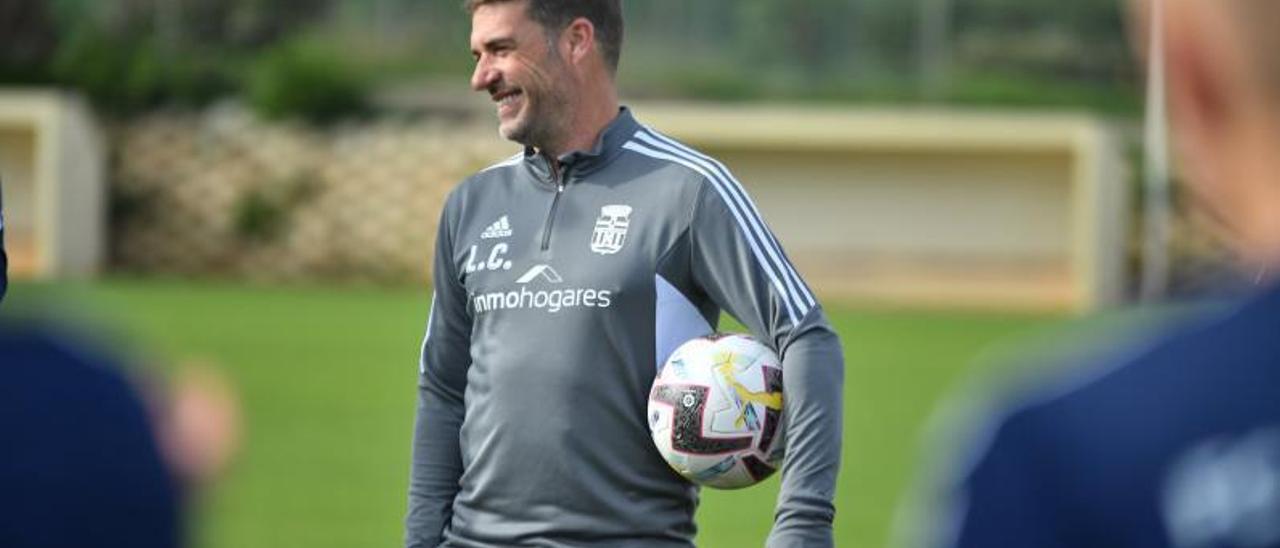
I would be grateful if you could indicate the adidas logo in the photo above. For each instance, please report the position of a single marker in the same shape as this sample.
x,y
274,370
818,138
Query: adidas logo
x,y
500,228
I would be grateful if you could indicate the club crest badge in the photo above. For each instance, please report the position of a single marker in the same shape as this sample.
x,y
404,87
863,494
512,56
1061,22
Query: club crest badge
x,y
611,229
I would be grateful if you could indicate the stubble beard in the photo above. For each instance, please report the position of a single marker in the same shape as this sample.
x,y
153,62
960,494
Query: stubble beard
x,y
542,125
545,120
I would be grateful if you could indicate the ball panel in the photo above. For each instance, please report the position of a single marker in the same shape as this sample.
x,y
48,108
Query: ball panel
x,y
757,468
688,403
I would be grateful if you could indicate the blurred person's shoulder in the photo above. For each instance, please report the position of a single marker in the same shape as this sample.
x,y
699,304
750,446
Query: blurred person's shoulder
x,y
1199,375
67,378
79,433
1127,446
34,342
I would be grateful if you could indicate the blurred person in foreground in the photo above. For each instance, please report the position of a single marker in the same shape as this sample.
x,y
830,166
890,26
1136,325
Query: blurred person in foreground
x,y
81,464
1177,441
564,277
87,458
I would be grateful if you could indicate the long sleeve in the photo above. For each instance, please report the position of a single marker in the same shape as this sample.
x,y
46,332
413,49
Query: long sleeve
x,y
737,261
437,458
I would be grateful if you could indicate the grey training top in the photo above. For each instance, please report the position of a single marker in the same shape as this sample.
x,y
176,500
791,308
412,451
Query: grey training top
x,y
557,296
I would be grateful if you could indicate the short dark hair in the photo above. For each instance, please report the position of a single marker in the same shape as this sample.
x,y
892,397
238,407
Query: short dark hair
x,y
555,15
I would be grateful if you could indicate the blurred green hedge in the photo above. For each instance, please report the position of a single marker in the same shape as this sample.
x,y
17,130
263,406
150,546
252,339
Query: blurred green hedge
x,y
128,56
306,78
129,73
300,77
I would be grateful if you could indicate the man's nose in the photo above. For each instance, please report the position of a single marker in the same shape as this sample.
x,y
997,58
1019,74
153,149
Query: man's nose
x,y
483,77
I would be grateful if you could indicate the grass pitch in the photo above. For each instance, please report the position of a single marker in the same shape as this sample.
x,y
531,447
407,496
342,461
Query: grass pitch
x,y
327,382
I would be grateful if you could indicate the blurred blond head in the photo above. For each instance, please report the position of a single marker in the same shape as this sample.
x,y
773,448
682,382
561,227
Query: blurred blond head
x,y
1223,83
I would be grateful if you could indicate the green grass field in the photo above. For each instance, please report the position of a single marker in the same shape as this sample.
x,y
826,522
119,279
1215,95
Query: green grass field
x,y
327,382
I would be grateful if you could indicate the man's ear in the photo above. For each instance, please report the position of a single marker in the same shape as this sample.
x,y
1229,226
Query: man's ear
x,y
1198,97
1196,90
579,39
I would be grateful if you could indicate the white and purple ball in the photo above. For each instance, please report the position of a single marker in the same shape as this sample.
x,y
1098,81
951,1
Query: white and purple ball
x,y
716,409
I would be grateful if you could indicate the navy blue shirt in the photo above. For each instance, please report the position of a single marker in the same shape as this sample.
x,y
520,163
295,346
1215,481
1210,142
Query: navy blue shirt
x,y
79,464
1177,445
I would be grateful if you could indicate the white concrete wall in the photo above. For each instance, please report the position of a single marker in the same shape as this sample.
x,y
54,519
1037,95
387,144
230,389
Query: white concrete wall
x,y
52,164
936,208
17,176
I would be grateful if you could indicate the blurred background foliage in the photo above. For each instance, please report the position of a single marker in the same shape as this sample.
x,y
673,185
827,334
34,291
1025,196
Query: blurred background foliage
x,y
323,59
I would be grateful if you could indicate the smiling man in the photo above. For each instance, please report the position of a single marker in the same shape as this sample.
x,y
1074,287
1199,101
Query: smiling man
x,y
564,277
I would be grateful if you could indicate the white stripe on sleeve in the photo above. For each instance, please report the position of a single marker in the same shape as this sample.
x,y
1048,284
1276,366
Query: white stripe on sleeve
x,y
742,225
749,209
422,357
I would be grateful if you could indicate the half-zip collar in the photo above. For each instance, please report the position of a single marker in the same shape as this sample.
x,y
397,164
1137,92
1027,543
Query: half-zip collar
x,y
580,163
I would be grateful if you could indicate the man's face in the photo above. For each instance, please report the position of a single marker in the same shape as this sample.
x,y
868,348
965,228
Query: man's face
x,y
522,71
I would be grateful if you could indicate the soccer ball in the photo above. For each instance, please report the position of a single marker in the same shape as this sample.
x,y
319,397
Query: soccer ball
x,y
715,411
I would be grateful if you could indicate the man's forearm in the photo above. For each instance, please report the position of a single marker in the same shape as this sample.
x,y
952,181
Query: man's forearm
x,y
813,381
437,466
